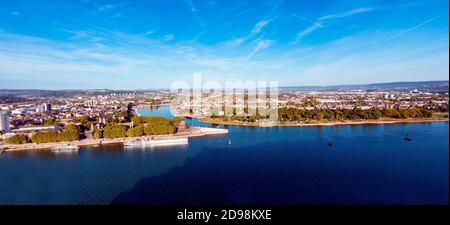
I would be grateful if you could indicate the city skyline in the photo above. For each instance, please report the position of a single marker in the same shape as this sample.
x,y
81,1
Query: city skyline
x,y
137,45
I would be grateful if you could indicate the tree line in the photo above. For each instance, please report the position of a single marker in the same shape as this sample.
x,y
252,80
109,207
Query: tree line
x,y
295,114
301,114
142,125
17,139
70,133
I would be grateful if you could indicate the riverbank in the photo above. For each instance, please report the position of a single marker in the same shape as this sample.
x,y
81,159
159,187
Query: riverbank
x,y
333,123
193,132
437,117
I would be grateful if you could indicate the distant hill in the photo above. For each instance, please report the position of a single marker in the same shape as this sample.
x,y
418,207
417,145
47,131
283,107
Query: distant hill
x,y
27,93
428,86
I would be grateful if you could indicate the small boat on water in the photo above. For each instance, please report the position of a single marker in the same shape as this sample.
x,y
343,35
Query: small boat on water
x,y
330,143
151,143
65,148
408,138
229,142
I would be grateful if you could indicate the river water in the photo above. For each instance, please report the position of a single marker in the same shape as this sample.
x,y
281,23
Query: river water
x,y
367,164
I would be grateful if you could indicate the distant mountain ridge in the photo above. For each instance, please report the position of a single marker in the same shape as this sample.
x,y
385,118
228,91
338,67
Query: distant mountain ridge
x,y
429,86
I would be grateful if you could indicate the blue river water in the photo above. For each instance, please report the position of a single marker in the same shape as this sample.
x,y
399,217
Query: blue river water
x,y
367,164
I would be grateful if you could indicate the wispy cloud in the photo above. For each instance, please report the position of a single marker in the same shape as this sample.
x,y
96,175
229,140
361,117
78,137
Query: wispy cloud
x,y
260,45
150,32
318,23
111,6
259,26
308,30
105,7
95,54
78,34
191,5
155,63
118,15
168,37
235,42
346,13
15,13
405,31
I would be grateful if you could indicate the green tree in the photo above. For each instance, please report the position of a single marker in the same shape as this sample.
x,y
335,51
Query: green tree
x,y
115,131
393,113
175,120
81,119
44,137
97,134
319,116
136,120
17,139
135,131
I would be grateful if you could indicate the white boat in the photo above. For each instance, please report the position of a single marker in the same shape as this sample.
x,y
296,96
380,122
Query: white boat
x,y
65,148
165,142
267,123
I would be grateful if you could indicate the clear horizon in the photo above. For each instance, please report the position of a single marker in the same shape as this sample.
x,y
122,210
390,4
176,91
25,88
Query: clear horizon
x,y
148,45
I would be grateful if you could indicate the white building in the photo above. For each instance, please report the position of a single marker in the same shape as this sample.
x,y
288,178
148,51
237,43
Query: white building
x,y
4,121
45,107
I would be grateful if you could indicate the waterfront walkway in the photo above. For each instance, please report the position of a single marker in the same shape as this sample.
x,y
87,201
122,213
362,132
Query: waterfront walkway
x,y
192,132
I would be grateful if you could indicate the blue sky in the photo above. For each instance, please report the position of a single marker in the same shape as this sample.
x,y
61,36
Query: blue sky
x,y
150,44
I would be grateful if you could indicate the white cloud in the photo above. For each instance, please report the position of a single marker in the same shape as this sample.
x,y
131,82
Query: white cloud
x,y
191,6
122,57
77,34
106,7
308,30
347,13
118,15
259,26
149,32
403,32
260,45
317,25
111,6
235,42
168,37
256,30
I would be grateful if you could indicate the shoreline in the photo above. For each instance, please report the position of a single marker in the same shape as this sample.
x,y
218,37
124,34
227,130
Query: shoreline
x,y
194,132
382,120
334,123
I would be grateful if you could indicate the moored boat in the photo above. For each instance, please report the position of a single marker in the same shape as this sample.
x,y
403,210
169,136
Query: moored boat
x,y
165,142
408,138
65,148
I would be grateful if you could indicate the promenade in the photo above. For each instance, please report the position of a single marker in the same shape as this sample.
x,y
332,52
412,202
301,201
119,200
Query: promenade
x,y
193,132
